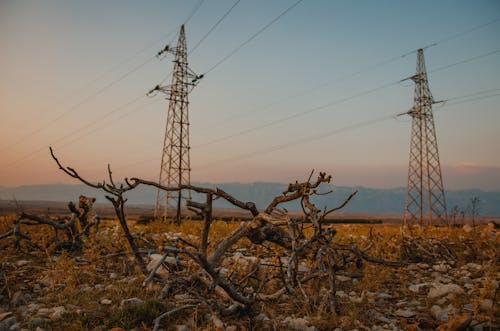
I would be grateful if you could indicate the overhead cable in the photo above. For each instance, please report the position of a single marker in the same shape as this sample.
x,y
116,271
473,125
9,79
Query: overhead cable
x,y
252,37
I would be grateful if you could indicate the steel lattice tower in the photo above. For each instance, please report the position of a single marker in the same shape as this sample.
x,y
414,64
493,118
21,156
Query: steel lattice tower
x,y
425,200
175,163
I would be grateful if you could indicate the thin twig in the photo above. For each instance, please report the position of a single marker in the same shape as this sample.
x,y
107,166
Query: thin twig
x,y
168,313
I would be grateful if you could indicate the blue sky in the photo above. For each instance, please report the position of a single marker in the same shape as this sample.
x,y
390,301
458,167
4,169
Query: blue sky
x,y
55,54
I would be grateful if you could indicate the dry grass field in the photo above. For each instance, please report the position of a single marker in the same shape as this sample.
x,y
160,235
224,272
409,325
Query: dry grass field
x,y
451,278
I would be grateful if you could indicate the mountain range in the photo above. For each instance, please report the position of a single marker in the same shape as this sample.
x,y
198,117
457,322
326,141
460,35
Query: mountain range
x,y
367,200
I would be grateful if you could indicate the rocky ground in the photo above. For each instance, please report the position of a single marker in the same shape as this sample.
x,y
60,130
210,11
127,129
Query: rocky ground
x,y
453,291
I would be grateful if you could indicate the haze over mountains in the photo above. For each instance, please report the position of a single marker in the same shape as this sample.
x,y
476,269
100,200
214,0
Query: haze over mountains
x,y
368,200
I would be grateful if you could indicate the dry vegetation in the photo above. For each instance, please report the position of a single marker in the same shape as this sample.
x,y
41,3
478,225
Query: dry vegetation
x,y
268,272
89,290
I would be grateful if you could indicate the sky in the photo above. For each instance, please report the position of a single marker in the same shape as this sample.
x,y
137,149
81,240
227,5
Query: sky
x,y
317,89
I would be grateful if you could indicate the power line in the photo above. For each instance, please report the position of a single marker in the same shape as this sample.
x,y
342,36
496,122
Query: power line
x,y
109,122
308,91
467,100
322,107
195,9
298,114
356,73
473,94
323,135
142,50
265,27
153,43
302,140
86,99
27,156
455,36
101,90
204,37
338,130
214,26
76,106
113,121
462,33
477,57
282,119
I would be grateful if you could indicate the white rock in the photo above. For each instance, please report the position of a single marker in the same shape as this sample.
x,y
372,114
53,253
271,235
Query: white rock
x,y
131,302
224,272
441,301
423,265
356,299
353,297
384,296
341,294
303,267
244,262
375,315
22,263
155,259
412,267
415,303
262,317
468,307
57,313
417,287
46,281
438,278
110,288
467,228
298,324
440,267
106,302
342,279
43,311
473,267
405,313
439,313
486,304
440,290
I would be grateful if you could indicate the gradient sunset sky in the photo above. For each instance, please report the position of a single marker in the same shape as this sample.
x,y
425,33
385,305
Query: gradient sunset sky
x,y
318,89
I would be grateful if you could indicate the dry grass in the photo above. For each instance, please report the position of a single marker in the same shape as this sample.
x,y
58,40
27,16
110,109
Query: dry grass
x,y
80,283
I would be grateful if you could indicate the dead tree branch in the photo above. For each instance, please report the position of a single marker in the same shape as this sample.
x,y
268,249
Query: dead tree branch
x,y
115,197
305,256
73,228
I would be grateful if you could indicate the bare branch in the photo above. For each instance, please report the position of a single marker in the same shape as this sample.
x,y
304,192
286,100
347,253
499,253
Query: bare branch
x,y
250,206
346,201
168,313
72,173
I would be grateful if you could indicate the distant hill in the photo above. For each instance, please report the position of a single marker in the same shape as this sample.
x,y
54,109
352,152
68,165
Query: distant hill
x,y
368,200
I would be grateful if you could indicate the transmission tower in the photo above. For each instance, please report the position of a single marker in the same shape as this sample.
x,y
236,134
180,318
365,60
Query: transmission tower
x,y
175,164
425,201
